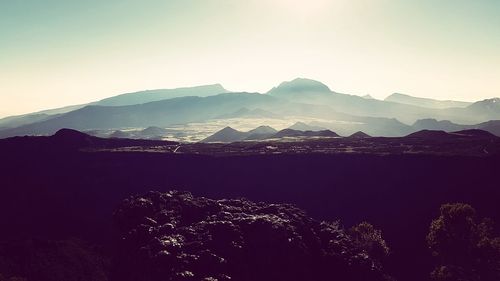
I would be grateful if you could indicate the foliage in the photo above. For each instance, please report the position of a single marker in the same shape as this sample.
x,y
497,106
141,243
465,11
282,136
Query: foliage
x,y
367,238
464,245
175,236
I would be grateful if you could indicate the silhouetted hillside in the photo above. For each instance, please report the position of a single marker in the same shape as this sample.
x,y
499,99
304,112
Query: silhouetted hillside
x,y
431,135
296,133
475,133
359,135
120,134
227,134
68,139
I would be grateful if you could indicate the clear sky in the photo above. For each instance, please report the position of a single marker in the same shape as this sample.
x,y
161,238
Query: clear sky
x,y
61,52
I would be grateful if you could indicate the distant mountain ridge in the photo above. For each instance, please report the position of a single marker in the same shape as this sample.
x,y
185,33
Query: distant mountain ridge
x,y
139,97
301,126
161,94
313,92
297,99
425,102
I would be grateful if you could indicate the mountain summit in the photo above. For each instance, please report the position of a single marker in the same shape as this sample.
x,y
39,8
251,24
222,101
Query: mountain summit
x,y
300,85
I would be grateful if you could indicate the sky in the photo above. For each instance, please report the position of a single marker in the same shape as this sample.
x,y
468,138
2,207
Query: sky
x,y
63,52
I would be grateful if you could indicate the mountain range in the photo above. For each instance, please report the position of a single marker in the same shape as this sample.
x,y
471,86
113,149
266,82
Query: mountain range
x,y
299,99
424,102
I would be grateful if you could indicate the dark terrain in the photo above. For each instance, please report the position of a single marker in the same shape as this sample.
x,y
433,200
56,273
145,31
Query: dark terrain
x,y
68,186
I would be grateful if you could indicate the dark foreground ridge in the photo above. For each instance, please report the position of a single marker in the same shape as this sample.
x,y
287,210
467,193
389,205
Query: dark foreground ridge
x,y
175,236
54,189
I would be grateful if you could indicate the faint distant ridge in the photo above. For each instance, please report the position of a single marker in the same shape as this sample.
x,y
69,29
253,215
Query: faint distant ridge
x,y
425,102
153,131
301,126
485,107
247,113
119,100
20,120
119,134
161,94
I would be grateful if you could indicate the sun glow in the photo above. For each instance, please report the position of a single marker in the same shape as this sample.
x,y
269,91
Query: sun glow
x,y
305,8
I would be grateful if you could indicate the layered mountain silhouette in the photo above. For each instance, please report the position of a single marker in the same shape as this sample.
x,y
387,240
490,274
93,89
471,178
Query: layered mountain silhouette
x,y
447,126
229,134
69,139
299,98
123,99
439,135
247,113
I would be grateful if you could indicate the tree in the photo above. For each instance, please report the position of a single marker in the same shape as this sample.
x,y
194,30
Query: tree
x,y
366,237
463,245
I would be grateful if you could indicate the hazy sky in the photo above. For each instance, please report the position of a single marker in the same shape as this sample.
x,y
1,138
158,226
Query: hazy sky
x,y
61,52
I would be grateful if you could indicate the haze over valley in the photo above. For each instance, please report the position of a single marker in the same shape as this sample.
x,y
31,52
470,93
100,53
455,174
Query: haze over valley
x,y
192,114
